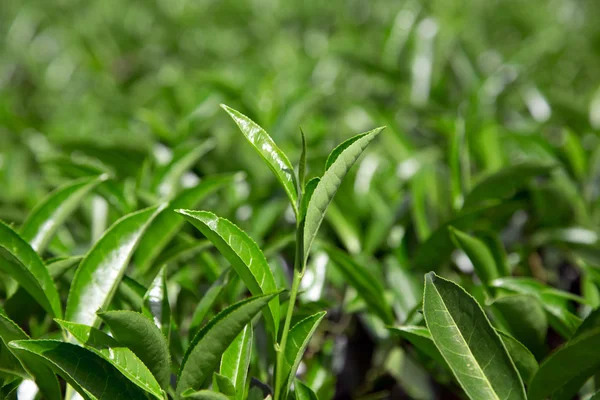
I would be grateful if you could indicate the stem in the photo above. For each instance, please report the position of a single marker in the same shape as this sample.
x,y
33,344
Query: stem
x,y
298,272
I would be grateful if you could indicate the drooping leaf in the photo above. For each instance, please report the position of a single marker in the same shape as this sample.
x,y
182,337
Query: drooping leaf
x,y
481,257
51,212
102,269
236,360
166,178
23,264
43,376
470,345
168,223
366,284
298,338
212,340
156,303
341,161
140,335
504,182
303,392
90,375
268,150
203,395
116,354
244,255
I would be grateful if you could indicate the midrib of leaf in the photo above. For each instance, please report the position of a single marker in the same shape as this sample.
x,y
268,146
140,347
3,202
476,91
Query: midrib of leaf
x,y
466,344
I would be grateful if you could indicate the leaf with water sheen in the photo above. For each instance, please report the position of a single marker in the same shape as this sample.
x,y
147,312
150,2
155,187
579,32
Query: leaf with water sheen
x,y
236,360
156,303
470,345
166,224
90,375
141,336
266,147
99,274
205,350
119,356
51,212
43,376
331,181
243,254
24,265
298,338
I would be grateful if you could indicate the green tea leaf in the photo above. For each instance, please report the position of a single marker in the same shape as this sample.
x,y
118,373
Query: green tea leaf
x,y
119,356
302,163
298,338
156,304
212,340
224,385
524,361
203,395
420,337
303,392
43,376
141,336
341,160
367,285
268,150
481,257
236,360
23,264
57,267
309,189
505,182
244,255
51,212
102,269
207,301
91,376
167,223
166,178
469,343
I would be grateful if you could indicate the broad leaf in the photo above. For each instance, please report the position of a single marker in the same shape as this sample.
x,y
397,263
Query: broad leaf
x,y
205,350
236,360
115,353
268,150
298,338
481,257
303,392
156,303
43,376
102,269
90,375
23,264
366,284
243,254
470,345
139,334
51,212
166,224
330,182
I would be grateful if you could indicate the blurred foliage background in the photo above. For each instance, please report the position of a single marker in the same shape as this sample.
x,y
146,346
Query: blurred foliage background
x,y
465,88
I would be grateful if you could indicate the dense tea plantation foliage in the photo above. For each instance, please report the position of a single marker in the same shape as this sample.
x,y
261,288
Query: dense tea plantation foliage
x,y
190,210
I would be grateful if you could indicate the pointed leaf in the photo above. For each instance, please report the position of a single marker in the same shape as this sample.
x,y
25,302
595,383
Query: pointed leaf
x,y
469,343
166,179
236,360
102,269
156,303
208,345
166,225
524,361
141,336
203,395
23,264
207,301
51,212
43,376
119,356
309,189
330,182
481,257
223,384
243,254
57,267
303,392
91,376
266,147
298,338
420,337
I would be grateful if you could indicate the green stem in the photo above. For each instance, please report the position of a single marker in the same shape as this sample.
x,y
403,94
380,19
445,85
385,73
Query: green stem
x,y
298,272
